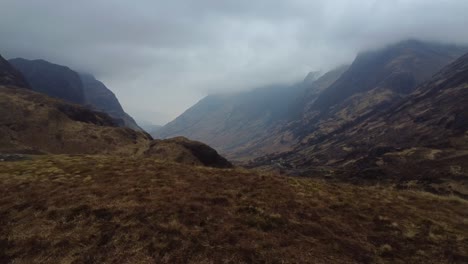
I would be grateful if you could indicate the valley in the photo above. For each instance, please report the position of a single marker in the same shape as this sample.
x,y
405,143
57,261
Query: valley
x,y
364,162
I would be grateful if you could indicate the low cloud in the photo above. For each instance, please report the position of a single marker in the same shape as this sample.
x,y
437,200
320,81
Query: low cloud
x,y
160,57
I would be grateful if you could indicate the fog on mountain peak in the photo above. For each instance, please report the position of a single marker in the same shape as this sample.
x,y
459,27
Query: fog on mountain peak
x,y
168,55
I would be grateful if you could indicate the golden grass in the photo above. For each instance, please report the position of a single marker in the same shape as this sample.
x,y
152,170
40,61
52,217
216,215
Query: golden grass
x,y
104,209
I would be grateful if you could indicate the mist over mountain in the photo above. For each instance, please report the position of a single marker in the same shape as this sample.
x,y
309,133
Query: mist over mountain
x,y
177,53
421,137
264,121
399,67
241,122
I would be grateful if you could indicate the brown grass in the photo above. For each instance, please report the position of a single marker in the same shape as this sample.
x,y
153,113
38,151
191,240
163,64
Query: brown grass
x,y
103,209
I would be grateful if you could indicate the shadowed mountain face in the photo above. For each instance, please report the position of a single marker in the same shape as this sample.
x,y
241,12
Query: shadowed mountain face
x,y
63,83
102,99
52,79
10,76
244,124
34,123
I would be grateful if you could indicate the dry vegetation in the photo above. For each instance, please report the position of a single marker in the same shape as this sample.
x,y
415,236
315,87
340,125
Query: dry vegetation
x,y
31,122
103,209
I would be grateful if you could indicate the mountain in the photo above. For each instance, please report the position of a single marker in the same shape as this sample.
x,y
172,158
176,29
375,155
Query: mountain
x,y
399,68
263,121
34,123
374,81
62,82
422,138
273,120
54,80
102,99
238,123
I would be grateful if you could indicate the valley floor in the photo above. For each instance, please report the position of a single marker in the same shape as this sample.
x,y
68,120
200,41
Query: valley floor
x,y
104,209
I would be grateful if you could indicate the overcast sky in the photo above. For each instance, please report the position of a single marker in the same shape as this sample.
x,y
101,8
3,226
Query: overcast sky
x,y
160,56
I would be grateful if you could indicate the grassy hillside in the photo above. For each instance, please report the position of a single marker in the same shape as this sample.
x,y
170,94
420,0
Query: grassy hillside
x,y
35,123
105,209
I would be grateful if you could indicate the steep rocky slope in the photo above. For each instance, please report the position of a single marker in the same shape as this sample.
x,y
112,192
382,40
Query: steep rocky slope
x,y
243,125
399,68
374,81
423,137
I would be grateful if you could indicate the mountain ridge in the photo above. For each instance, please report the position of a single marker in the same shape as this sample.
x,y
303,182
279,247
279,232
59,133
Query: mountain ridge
x,y
64,83
421,138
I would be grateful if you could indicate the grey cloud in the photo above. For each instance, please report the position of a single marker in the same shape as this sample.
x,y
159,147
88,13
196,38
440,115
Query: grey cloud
x,y
160,57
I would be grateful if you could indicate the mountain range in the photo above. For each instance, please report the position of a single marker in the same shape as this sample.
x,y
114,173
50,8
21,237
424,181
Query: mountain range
x,y
391,111
32,122
252,124
422,138
378,150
